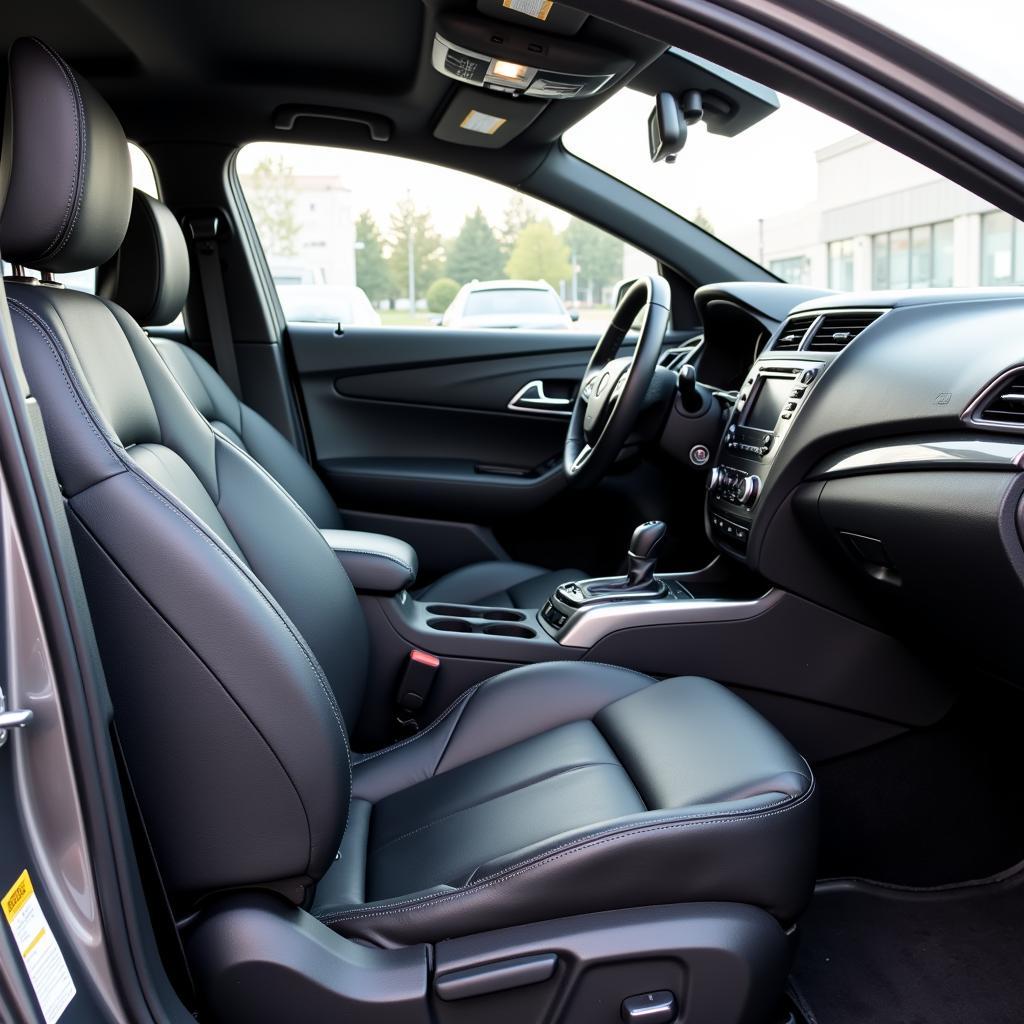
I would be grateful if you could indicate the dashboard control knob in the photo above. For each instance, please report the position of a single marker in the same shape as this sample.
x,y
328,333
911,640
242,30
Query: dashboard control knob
x,y
749,489
714,479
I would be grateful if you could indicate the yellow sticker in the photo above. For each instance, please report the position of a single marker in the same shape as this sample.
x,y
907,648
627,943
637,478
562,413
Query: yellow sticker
x,y
539,9
47,969
486,124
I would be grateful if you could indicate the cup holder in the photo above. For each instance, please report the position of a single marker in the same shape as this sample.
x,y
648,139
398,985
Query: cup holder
x,y
507,629
450,610
502,615
449,619
451,625
462,612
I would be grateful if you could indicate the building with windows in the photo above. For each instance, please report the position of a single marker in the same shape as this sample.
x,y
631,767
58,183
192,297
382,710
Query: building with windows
x,y
882,221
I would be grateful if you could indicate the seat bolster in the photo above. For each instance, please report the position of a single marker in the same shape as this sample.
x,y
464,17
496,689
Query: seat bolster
x,y
697,855
495,714
403,764
729,750
532,699
276,454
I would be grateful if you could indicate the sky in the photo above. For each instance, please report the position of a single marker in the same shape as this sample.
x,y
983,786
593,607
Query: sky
x,y
768,170
984,36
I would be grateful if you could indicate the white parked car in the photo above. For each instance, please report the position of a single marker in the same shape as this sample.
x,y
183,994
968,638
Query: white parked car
x,y
527,305
347,305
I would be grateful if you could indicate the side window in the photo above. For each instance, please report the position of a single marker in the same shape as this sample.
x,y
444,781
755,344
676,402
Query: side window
x,y
362,239
144,179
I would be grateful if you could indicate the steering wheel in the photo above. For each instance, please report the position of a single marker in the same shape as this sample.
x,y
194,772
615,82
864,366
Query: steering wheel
x,y
614,389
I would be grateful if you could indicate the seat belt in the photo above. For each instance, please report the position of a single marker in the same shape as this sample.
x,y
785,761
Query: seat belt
x,y
211,280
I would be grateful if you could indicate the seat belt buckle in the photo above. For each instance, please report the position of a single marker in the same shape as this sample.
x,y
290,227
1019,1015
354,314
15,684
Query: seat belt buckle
x,y
414,688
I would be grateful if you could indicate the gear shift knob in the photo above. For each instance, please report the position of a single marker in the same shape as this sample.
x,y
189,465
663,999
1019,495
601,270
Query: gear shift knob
x,y
642,559
646,538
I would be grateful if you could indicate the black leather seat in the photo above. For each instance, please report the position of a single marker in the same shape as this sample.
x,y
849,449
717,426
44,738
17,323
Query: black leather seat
x,y
236,653
149,278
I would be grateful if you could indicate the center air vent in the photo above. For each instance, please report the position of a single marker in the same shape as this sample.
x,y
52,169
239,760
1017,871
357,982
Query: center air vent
x,y
793,332
1005,405
837,330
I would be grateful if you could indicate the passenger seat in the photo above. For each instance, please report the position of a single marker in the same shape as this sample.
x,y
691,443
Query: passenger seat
x,y
149,277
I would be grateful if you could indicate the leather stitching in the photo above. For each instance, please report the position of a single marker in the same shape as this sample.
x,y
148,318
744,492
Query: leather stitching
x,y
29,318
559,852
461,699
83,403
375,554
509,791
65,231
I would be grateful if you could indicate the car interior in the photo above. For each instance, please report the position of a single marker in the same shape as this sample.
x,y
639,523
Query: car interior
x,y
658,671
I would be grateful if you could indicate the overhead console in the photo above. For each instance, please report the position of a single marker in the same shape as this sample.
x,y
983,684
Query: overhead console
x,y
517,61
513,58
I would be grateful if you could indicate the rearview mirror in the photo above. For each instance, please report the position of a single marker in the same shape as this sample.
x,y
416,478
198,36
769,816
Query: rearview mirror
x,y
666,129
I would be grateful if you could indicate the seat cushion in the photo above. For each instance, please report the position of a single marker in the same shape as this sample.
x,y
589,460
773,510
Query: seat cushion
x,y
570,788
499,585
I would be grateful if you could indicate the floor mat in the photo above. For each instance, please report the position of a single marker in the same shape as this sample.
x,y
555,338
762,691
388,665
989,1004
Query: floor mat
x,y
885,956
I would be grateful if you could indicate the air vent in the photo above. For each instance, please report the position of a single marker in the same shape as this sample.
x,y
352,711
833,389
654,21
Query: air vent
x,y
676,357
793,333
1006,404
837,330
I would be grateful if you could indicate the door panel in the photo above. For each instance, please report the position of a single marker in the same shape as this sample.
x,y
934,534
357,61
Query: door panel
x,y
415,422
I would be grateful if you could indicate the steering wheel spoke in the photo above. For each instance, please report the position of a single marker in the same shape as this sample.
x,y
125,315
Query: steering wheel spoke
x,y
581,460
614,387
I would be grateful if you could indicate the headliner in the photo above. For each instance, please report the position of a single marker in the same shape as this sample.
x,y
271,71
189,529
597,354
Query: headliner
x,y
215,70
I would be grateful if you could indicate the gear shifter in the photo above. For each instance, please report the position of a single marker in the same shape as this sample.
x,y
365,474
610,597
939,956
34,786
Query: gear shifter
x,y
640,580
642,555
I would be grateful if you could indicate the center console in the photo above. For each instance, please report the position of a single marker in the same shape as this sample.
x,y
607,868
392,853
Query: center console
x,y
768,402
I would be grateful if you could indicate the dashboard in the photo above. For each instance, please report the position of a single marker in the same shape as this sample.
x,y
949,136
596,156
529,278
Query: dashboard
x,y
872,458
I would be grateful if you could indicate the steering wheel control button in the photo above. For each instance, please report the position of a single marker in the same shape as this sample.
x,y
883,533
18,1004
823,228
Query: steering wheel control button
x,y
699,455
650,1008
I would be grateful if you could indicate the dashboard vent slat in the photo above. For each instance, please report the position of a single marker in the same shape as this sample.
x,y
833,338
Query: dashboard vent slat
x,y
1006,405
793,332
837,330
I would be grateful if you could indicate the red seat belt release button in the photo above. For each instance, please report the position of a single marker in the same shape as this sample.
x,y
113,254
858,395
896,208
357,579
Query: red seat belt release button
x,y
417,679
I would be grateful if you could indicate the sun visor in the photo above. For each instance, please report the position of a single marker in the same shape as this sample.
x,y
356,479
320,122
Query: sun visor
x,y
488,121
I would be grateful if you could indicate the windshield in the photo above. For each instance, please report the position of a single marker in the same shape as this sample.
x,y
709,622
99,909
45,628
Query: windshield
x,y
497,301
812,201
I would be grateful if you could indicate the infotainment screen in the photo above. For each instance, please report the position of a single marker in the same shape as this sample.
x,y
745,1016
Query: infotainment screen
x,y
768,403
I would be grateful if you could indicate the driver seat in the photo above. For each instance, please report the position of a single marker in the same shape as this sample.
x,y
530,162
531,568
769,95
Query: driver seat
x,y
149,278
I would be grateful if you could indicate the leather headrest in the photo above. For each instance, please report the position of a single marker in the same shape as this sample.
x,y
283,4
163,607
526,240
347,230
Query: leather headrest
x,y
148,276
65,175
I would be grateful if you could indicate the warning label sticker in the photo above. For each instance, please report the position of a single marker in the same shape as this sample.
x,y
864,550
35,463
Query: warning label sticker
x,y
477,121
47,969
539,9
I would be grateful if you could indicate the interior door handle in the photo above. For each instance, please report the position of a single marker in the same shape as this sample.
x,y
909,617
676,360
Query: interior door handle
x,y
533,398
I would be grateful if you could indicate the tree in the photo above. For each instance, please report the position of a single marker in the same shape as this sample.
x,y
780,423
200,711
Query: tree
x,y
373,274
270,191
476,252
540,255
517,216
441,294
427,250
598,255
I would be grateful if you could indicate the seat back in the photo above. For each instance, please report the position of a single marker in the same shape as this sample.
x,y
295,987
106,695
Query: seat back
x,y
232,640
149,277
